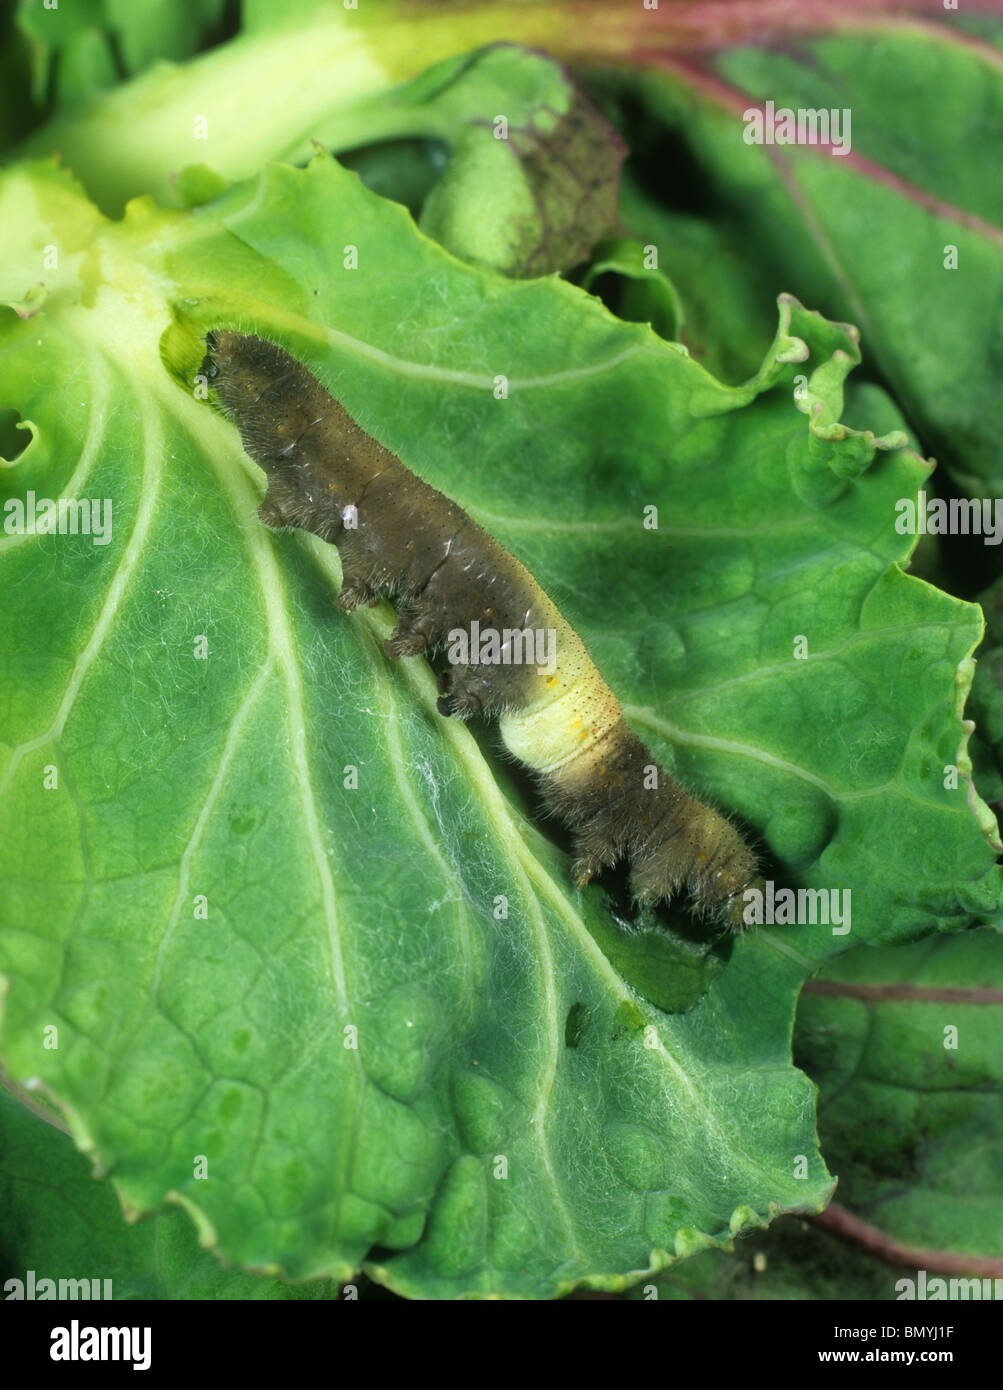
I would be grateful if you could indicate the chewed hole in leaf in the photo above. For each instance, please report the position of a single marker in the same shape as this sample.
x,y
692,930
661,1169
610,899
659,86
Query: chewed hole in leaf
x,y
15,436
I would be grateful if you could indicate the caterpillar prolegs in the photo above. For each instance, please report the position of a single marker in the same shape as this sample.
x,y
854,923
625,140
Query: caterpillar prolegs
x,y
399,537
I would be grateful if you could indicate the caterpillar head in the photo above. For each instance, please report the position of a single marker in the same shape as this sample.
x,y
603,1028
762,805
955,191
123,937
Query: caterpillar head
x,y
268,395
242,368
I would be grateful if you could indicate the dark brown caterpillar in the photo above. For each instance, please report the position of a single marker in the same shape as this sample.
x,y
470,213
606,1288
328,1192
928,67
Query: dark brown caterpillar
x,y
399,537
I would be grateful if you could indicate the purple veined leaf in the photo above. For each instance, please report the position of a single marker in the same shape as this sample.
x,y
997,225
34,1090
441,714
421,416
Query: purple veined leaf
x,y
901,233
904,1045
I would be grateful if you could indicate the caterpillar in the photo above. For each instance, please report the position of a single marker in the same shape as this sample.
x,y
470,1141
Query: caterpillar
x,y
400,538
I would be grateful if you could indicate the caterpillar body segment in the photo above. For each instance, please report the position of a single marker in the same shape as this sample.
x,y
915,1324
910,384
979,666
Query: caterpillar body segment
x,y
398,537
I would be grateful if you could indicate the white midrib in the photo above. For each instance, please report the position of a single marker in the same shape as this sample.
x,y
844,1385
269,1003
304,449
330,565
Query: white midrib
x,y
98,407
147,498
235,484
208,806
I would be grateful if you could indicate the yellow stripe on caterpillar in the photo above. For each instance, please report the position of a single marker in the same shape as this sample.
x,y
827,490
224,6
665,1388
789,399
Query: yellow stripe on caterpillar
x,y
568,726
